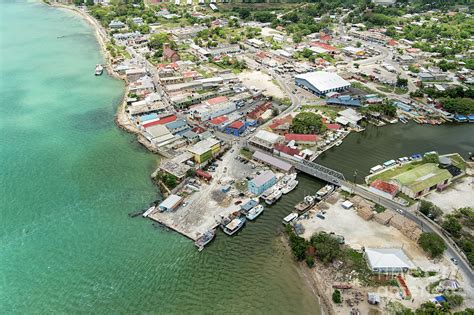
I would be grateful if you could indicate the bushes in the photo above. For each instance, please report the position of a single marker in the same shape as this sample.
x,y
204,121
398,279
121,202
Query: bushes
x,y
432,244
336,297
298,244
430,210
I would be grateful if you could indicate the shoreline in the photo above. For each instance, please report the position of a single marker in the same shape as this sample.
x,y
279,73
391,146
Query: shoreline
x,y
120,118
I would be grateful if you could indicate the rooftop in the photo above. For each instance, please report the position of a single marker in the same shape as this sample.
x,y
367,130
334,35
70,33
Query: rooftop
x,y
388,258
261,179
266,136
323,80
384,186
273,161
301,137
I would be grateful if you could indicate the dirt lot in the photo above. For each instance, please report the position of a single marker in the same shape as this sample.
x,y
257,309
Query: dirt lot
x,y
261,81
204,208
360,233
459,195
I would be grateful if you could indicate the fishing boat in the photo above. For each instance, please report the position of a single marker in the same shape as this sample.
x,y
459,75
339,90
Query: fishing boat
x,y
289,186
307,203
205,239
233,226
325,191
254,212
149,211
272,198
99,69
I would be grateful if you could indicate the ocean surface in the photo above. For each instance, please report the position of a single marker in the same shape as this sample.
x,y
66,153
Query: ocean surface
x,y
68,179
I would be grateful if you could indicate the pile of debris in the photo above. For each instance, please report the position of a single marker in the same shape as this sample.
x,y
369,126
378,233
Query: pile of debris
x,y
406,226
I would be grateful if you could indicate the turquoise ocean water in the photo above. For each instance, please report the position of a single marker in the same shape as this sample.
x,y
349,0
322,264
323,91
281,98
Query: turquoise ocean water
x,y
69,177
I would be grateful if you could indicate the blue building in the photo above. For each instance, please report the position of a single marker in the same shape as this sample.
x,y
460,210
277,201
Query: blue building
x,y
177,126
262,182
236,128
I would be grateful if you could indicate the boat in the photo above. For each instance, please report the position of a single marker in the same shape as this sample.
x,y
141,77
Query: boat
x,y
233,226
325,191
403,120
149,211
205,239
289,186
307,203
254,212
376,168
272,198
99,69
290,218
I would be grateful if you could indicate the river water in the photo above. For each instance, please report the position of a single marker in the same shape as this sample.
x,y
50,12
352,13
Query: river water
x,y
69,177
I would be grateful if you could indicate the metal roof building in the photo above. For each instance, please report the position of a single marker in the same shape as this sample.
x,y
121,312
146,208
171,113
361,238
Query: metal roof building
x,y
388,260
272,161
321,82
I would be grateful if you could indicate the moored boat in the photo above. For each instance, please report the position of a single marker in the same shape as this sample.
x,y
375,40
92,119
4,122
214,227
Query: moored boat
x,y
272,198
254,212
149,211
290,218
233,226
99,69
205,239
289,186
325,191
307,203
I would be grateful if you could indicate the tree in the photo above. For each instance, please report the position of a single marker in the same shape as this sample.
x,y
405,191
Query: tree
x,y
336,296
308,123
401,82
452,225
430,210
310,261
432,243
454,300
327,247
158,40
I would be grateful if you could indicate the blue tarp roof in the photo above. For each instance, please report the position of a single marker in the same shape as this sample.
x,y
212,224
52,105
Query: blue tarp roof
x,y
440,299
149,116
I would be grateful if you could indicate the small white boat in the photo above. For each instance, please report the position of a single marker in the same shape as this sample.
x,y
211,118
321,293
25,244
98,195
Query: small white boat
x,y
271,199
234,226
289,186
290,218
254,212
149,211
99,69
205,239
323,192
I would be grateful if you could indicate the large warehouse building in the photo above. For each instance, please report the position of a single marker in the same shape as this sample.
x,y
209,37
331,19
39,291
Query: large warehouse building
x,y
321,82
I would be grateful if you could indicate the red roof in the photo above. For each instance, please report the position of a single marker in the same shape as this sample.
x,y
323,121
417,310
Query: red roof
x,y
323,45
203,174
333,126
217,100
236,124
301,137
280,121
218,120
384,186
325,37
161,121
392,42
285,149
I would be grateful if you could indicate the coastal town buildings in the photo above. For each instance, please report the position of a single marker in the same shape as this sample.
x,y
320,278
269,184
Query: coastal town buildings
x,y
321,82
262,182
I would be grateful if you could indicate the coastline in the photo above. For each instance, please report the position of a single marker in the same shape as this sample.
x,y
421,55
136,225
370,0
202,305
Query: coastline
x,y
121,119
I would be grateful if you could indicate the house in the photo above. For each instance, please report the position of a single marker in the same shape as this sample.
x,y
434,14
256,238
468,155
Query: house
x,y
116,24
205,150
265,140
236,128
142,86
348,117
354,51
169,54
384,189
387,260
301,138
177,126
262,182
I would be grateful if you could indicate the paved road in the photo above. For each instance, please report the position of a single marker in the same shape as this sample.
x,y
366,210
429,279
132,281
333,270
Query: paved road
x,y
426,225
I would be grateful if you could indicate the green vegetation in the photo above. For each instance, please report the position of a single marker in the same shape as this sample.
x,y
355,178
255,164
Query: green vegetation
x,y
452,225
430,210
464,238
432,244
308,123
330,111
464,106
379,209
157,41
336,297
385,108
245,152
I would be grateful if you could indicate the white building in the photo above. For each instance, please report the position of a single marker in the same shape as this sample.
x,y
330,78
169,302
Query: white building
x,y
265,140
321,82
213,108
388,260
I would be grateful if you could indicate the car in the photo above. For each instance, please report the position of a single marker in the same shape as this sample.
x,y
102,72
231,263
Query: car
x,y
455,261
238,202
232,151
400,211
